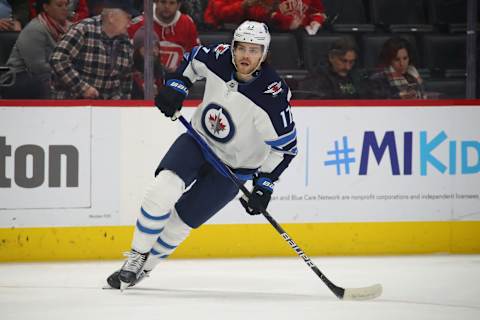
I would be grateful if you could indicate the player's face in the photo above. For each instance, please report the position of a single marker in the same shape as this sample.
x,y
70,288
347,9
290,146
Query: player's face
x,y
401,61
165,10
343,64
57,10
247,57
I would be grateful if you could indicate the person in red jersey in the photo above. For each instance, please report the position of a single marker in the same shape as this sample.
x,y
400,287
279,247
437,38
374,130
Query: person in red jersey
x,y
285,15
177,32
220,12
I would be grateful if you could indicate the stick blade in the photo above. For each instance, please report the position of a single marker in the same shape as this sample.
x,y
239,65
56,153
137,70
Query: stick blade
x,y
365,293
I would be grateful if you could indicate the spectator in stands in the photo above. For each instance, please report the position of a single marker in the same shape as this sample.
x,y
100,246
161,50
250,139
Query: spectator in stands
x,y
77,9
13,15
219,14
138,65
95,57
30,54
337,79
177,32
287,15
195,9
399,79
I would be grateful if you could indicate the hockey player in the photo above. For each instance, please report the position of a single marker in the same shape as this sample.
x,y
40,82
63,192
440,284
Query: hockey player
x,y
245,118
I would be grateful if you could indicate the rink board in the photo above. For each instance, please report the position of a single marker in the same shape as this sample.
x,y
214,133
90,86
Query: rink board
x,y
72,175
250,240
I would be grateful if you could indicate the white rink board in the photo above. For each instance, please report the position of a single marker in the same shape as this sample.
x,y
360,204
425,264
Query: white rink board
x,y
122,147
94,200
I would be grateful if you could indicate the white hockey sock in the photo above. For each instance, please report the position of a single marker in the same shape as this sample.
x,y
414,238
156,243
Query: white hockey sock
x,y
156,209
173,234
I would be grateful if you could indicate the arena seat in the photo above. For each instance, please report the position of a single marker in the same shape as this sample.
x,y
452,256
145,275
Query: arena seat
x,y
445,53
284,53
400,15
446,88
347,16
284,56
447,12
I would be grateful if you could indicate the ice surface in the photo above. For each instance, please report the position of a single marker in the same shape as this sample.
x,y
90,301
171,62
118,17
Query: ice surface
x,y
415,287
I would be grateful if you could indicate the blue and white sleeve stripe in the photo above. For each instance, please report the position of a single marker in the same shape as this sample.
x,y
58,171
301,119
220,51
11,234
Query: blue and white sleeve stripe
x,y
286,143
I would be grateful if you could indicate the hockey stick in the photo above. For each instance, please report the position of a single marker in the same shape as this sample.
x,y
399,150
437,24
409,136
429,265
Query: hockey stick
x,y
364,293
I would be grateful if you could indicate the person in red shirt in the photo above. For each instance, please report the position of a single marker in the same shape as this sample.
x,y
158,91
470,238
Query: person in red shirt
x,y
176,31
219,12
286,15
77,10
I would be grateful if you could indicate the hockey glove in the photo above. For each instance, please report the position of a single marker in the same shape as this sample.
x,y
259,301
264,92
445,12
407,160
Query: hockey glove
x,y
260,197
170,98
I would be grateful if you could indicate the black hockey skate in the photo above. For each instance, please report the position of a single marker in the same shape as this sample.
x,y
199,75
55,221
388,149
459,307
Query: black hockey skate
x,y
114,282
131,269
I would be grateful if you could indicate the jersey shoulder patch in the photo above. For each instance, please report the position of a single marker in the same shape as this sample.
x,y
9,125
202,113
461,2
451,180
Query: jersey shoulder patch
x,y
268,89
274,88
217,58
213,51
221,49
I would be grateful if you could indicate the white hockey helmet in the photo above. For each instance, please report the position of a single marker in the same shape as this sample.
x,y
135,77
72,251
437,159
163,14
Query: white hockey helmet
x,y
252,32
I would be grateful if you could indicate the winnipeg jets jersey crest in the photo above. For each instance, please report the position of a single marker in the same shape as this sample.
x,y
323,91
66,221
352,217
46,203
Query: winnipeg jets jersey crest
x,y
217,123
248,125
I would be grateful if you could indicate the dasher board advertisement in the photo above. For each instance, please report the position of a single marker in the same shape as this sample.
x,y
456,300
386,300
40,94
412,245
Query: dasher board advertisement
x,y
56,166
355,164
45,156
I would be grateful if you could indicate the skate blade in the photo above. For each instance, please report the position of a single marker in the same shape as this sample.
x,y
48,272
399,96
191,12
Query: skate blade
x,y
123,285
108,287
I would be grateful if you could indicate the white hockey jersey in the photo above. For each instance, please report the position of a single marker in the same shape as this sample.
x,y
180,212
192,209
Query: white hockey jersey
x,y
248,125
